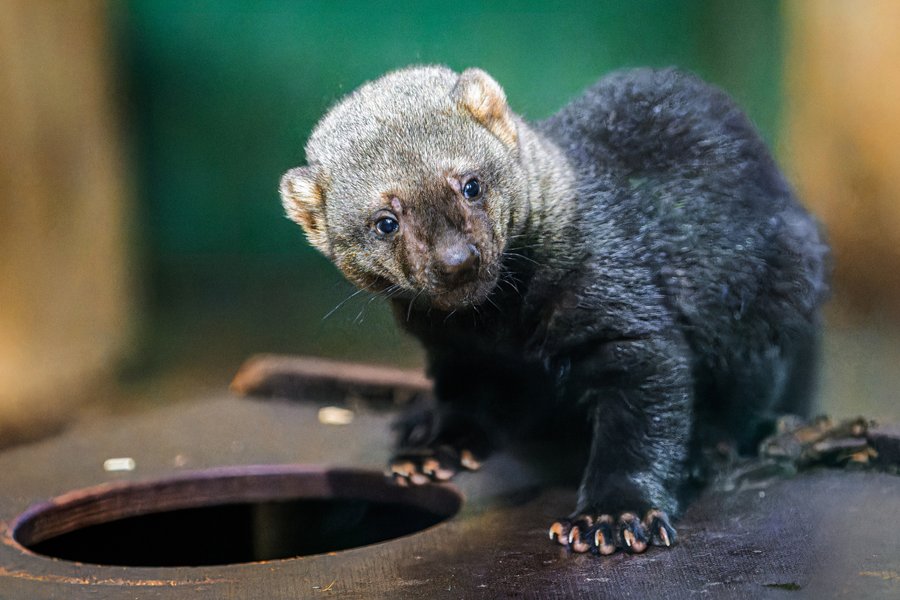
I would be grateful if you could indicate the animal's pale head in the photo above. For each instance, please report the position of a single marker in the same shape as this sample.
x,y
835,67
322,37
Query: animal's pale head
x,y
412,181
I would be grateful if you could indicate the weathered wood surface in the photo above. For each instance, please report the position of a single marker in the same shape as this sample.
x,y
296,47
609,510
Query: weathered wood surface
x,y
822,534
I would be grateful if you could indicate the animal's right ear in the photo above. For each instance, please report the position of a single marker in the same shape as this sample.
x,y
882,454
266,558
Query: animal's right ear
x,y
303,197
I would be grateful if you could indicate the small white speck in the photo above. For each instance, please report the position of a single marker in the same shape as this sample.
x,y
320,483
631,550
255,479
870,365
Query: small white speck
x,y
119,464
180,460
334,415
762,494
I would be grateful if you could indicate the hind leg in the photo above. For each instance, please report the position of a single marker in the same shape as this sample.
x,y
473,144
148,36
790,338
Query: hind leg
x,y
803,373
767,385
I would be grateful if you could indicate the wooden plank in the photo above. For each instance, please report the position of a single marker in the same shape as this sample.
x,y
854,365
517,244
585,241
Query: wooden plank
x,y
300,377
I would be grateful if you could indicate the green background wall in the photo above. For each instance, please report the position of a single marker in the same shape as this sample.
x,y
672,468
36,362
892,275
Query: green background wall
x,y
220,97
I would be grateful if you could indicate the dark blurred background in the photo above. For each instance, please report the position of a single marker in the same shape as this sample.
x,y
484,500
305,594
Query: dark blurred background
x,y
144,251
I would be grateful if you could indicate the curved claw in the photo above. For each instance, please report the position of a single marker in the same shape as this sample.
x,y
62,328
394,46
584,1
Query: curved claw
x,y
405,473
433,468
418,466
578,542
632,533
468,461
660,530
400,472
559,531
604,536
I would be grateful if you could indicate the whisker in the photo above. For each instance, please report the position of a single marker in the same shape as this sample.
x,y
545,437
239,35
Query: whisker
x,y
345,300
518,235
522,256
390,291
411,302
360,316
501,280
509,279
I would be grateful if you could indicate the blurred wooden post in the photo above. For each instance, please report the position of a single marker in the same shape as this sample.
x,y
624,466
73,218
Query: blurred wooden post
x,y
65,294
843,139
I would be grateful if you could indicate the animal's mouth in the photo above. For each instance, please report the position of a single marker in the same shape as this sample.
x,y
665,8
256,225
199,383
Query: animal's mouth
x,y
464,295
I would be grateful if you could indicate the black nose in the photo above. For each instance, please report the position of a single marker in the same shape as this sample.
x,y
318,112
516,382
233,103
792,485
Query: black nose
x,y
458,262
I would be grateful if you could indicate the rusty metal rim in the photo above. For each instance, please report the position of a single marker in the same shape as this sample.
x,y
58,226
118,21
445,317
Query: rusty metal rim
x,y
217,486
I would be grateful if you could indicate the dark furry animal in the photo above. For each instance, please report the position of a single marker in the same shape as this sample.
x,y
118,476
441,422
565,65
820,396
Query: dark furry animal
x,y
634,266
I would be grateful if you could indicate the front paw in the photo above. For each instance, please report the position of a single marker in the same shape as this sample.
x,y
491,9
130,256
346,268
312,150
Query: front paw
x,y
423,465
605,534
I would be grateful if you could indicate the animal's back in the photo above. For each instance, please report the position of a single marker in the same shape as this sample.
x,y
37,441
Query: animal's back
x,y
676,171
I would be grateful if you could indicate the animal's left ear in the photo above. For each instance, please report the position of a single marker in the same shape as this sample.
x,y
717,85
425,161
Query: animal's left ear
x,y
478,93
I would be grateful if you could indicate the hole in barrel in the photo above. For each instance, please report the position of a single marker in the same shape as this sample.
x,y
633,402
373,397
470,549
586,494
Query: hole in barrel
x,y
228,516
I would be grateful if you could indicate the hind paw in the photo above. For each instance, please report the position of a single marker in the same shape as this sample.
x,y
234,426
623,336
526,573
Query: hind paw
x,y
604,534
424,465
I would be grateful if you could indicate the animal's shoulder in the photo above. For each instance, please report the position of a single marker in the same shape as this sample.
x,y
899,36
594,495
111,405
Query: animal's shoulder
x,y
653,118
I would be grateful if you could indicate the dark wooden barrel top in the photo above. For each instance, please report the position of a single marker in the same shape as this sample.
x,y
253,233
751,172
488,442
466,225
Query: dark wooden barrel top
x,y
821,534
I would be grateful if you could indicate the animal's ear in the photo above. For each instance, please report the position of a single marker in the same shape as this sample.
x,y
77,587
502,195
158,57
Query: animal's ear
x,y
478,93
303,197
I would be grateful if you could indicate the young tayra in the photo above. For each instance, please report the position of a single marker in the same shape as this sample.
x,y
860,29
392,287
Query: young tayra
x,y
634,267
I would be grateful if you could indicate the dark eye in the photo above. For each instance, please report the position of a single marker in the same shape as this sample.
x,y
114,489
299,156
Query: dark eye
x,y
471,189
386,225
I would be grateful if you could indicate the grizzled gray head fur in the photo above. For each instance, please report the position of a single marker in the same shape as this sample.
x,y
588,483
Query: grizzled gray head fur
x,y
415,180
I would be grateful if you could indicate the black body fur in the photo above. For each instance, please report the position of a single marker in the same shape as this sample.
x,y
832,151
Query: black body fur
x,y
679,308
